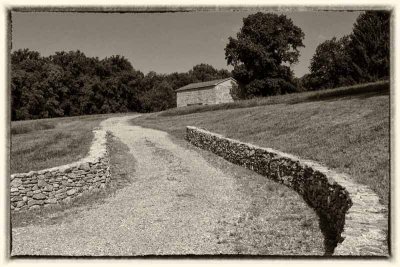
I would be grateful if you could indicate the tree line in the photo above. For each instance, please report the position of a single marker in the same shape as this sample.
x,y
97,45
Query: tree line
x,y
71,84
363,56
268,45
262,54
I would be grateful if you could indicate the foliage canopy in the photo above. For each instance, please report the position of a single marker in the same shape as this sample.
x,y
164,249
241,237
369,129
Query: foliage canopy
x,y
363,56
265,47
70,84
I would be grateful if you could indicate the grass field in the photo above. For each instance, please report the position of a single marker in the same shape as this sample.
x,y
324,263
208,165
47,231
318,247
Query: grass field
x,y
39,144
367,88
346,131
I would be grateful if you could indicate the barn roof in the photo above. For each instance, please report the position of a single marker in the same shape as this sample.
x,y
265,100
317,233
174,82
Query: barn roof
x,y
203,84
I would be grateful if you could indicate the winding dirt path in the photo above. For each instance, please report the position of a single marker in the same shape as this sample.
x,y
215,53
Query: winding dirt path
x,y
173,207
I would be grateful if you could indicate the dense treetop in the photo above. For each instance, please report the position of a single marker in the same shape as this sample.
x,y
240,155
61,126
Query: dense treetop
x,y
261,54
363,56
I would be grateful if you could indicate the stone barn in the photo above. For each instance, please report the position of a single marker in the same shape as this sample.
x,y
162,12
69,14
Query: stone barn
x,y
205,93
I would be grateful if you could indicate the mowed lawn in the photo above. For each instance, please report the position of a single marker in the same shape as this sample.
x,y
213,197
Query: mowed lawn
x,y
45,143
349,134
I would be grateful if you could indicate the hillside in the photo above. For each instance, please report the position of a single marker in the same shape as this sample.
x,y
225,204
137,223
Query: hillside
x,y
347,133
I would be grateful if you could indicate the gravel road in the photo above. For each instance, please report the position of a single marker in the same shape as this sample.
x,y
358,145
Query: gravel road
x,y
174,206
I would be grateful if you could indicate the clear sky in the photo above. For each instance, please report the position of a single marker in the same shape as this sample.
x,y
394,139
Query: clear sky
x,y
162,42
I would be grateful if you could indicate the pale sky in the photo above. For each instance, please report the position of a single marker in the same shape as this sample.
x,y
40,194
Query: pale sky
x,y
162,42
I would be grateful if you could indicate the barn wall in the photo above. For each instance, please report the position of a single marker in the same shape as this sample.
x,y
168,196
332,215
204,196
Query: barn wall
x,y
222,92
203,96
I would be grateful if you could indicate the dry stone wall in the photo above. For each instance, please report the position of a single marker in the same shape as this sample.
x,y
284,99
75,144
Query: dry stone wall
x,y
351,218
53,186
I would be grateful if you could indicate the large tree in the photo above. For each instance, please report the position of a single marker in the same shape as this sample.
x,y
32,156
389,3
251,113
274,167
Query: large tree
x,y
369,45
331,65
265,47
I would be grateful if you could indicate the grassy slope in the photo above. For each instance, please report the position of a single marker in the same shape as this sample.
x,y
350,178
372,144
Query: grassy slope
x,y
39,144
349,134
367,88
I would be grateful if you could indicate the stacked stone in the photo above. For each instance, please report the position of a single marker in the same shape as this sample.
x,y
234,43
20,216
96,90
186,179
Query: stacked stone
x,y
317,185
50,187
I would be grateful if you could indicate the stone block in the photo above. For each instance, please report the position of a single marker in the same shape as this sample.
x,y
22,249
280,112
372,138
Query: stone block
x,y
16,198
85,166
48,188
68,169
71,192
51,201
34,207
72,175
61,195
39,196
16,182
61,190
33,202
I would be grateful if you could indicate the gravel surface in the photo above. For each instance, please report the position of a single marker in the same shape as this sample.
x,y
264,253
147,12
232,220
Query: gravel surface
x,y
175,205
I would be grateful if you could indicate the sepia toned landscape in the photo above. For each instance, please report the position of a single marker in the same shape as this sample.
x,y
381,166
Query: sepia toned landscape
x,y
274,142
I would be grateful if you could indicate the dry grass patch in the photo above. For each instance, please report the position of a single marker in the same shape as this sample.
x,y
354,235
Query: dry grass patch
x,y
40,144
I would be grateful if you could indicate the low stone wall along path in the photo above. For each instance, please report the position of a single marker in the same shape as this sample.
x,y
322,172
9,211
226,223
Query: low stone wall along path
x,y
181,200
176,204
352,219
51,187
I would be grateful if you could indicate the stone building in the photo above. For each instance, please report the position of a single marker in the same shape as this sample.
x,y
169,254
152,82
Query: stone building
x,y
205,93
